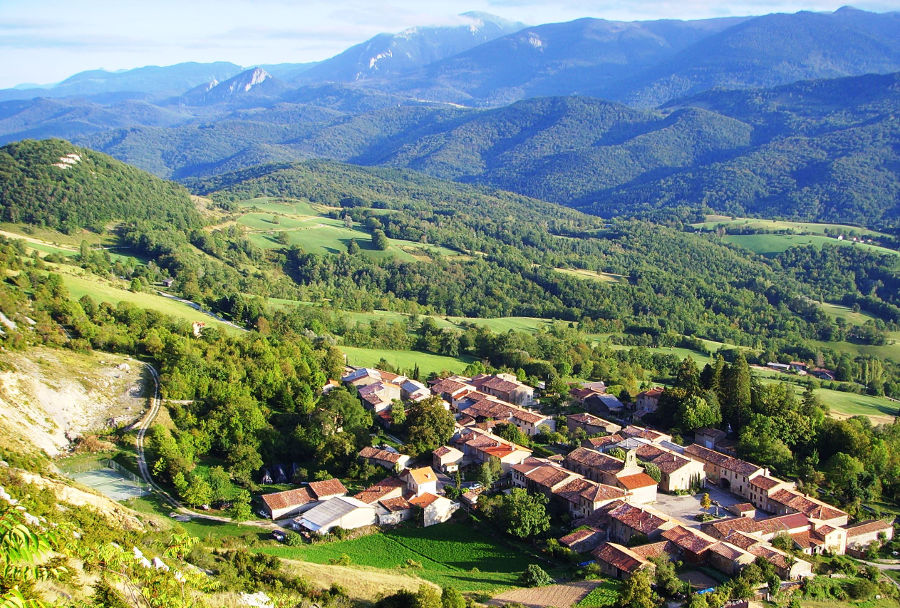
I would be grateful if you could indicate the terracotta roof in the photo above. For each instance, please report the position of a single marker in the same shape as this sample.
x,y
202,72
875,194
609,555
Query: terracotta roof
x,y
377,492
635,518
621,558
638,480
600,442
806,539
811,507
595,460
771,555
741,540
867,527
395,504
379,454
653,392
723,528
742,507
667,462
600,492
289,498
691,540
424,500
783,523
422,475
764,482
654,549
578,536
639,431
443,451
549,476
711,432
389,376
328,488
586,419
736,465
727,550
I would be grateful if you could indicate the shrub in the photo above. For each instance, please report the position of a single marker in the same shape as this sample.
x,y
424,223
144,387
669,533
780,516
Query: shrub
x,y
535,576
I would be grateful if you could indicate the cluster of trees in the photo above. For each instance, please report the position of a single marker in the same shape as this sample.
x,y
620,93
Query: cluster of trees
x,y
852,459
89,192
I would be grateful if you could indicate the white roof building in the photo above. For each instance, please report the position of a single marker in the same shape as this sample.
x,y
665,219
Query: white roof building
x,y
344,511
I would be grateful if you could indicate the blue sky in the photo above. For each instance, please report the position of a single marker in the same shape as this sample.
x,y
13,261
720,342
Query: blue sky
x,y
45,41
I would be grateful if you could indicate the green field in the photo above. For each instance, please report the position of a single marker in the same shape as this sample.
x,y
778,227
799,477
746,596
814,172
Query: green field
x,y
581,273
450,554
498,324
840,402
714,221
405,359
309,227
102,290
605,594
773,244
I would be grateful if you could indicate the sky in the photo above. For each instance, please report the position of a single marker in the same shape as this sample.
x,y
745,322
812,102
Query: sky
x,y
45,41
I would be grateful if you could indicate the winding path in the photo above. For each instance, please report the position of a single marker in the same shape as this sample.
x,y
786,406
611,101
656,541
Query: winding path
x,y
143,426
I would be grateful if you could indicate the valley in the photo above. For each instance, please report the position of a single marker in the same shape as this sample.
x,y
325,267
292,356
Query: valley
x,y
592,313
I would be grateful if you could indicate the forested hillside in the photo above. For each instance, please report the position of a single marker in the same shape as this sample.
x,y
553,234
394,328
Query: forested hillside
x,y
53,183
818,150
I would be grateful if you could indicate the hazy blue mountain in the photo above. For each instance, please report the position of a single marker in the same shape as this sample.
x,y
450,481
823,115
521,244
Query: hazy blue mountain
x,y
555,59
387,55
157,82
250,86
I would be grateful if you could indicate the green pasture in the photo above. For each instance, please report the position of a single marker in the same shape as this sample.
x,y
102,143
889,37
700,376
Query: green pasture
x,y
581,273
405,359
714,221
773,244
454,554
102,290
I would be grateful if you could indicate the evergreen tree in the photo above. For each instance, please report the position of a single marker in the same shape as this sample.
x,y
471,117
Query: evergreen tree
x,y
736,402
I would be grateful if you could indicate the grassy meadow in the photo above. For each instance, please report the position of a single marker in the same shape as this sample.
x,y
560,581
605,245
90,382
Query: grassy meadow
x,y
405,359
451,553
714,221
273,223
773,244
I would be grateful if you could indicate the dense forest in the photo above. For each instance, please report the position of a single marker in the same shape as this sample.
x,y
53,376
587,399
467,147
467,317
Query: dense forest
x,y
53,183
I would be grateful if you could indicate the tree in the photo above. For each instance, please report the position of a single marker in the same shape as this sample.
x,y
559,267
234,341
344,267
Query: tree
x,y
352,247
240,506
379,240
535,576
523,515
695,412
688,376
667,580
636,592
451,598
705,501
489,472
511,432
429,425
736,392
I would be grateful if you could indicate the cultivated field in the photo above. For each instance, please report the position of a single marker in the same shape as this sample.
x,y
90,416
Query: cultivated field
x,y
447,554
558,596
602,277
405,359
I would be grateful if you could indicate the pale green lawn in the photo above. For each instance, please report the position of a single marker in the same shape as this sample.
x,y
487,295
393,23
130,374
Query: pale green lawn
x,y
102,290
580,273
772,244
405,360
713,221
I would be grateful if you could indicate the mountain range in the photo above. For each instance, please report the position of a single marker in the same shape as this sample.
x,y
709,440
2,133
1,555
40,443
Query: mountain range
x,y
787,114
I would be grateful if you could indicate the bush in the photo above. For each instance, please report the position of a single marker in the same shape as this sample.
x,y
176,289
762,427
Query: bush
x,y
535,576
862,589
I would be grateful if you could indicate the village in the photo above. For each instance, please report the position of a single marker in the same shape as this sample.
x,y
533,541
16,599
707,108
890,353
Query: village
x,y
628,493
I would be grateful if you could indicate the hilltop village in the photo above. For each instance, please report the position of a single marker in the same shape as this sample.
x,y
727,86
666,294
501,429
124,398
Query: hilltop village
x,y
627,493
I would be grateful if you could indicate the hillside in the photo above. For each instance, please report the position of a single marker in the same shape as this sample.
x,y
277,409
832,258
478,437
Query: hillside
x,y
56,184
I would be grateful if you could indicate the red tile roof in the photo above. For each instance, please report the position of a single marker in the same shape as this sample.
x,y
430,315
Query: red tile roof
x,y
328,488
595,460
289,498
691,540
395,504
811,507
578,536
867,527
424,500
654,549
639,480
371,453
635,518
600,492
764,482
621,558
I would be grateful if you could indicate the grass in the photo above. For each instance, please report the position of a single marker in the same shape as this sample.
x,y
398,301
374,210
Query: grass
x,y
882,603
102,290
204,529
581,273
700,359
451,553
713,221
405,359
606,594
773,244
852,404
309,227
